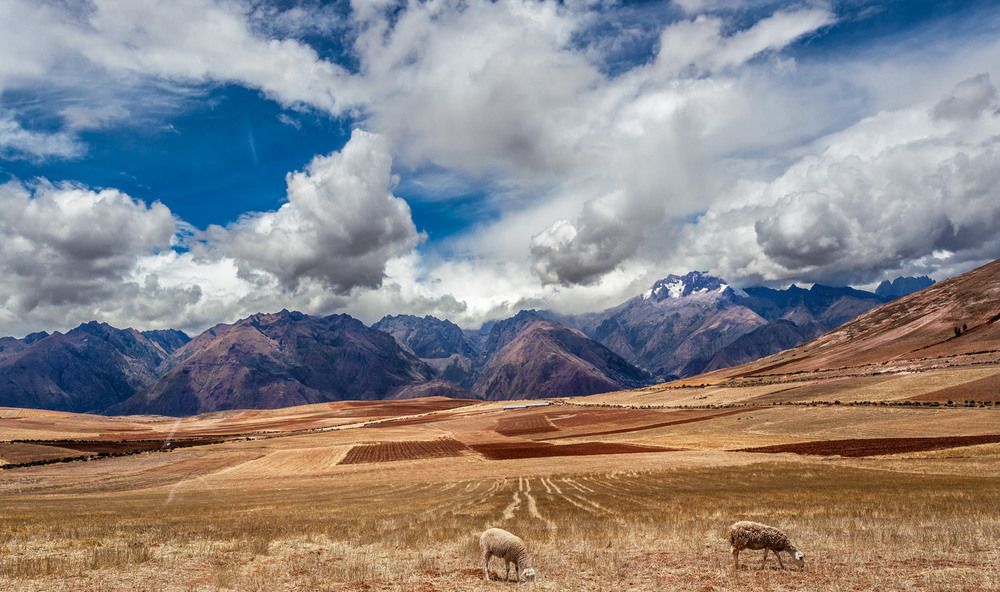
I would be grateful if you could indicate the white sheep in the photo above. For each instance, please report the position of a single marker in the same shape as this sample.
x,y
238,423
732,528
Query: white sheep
x,y
757,536
497,542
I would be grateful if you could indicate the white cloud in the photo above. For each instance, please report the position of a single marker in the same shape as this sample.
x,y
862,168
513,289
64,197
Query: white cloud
x,y
205,41
666,133
608,232
112,60
699,46
477,87
894,188
17,142
340,226
453,289
78,117
716,151
70,254
969,99
66,246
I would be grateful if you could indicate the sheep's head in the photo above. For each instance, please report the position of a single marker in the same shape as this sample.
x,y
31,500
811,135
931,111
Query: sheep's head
x,y
529,574
798,558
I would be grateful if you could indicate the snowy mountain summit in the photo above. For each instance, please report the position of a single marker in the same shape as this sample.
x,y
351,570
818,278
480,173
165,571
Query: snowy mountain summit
x,y
695,282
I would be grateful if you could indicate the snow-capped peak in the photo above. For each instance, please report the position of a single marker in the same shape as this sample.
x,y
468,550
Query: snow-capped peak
x,y
695,282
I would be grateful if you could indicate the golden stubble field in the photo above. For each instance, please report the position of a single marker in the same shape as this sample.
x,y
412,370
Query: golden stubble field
x,y
609,495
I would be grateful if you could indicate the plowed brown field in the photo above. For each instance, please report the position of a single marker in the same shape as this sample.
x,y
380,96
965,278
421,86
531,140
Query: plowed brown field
x,y
526,425
404,450
527,449
858,447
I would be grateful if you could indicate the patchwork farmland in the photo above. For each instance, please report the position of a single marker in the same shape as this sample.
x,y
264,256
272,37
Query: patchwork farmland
x,y
609,496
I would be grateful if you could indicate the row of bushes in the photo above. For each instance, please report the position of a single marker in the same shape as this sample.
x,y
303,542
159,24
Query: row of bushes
x,y
83,458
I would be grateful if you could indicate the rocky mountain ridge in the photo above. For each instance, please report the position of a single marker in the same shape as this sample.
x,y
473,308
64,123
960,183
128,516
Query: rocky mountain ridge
x,y
278,360
682,326
685,325
87,369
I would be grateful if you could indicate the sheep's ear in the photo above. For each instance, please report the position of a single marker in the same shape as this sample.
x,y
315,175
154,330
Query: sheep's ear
x,y
799,555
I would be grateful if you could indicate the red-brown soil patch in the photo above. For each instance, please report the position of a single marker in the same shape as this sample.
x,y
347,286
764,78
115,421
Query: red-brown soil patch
x,y
101,448
984,389
124,446
528,449
680,417
405,450
525,425
858,447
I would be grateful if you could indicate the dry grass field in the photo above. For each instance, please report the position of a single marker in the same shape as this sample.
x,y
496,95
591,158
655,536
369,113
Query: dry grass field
x,y
861,529
625,491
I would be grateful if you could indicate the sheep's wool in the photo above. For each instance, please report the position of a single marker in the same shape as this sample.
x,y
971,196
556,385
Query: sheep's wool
x,y
757,536
497,542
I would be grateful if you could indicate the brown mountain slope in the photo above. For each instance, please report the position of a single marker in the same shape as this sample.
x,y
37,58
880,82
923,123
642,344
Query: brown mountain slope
x,y
546,359
951,318
279,360
85,370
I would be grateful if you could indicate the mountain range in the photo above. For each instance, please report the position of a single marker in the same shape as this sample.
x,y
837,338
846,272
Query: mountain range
x,y
949,324
683,325
686,325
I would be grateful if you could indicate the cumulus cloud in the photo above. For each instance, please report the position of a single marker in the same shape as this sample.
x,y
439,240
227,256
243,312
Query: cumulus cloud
x,y
806,230
477,87
340,225
607,233
70,254
660,143
897,187
64,245
717,150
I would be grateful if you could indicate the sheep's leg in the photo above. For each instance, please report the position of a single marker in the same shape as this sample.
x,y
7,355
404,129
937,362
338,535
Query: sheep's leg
x,y
736,559
765,558
517,573
506,574
486,566
778,555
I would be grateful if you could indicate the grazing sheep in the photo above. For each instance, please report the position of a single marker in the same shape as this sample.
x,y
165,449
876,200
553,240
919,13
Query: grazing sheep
x,y
497,542
757,536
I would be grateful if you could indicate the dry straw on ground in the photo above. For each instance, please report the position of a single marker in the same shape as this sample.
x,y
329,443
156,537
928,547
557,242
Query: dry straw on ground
x,y
663,530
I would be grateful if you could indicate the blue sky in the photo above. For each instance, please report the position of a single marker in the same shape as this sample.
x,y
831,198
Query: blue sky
x,y
183,163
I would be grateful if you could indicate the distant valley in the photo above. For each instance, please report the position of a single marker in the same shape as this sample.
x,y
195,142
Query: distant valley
x,y
682,326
